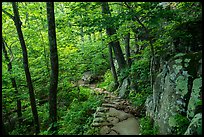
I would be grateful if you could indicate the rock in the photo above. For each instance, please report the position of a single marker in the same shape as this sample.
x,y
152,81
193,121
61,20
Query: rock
x,y
98,119
98,114
108,105
113,120
101,124
195,97
123,91
171,91
87,76
105,130
119,114
195,127
102,109
127,127
113,133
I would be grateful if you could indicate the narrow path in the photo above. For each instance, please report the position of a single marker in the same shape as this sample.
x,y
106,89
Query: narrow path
x,y
116,116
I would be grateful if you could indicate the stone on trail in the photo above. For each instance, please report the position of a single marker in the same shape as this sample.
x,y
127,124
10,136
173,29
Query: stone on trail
x,y
127,127
102,109
99,119
113,133
119,114
109,105
99,114
101,124
113,120
105,130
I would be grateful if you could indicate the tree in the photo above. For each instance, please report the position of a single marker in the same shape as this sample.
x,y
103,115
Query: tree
x,y
54,67
13,81
111,31
115,77
149,38
127,49
18,23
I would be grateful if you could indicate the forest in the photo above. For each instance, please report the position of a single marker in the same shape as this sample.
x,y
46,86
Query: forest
x,y
101,68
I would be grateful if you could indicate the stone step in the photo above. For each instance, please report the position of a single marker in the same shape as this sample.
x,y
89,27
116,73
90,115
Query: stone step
x,y
99,114
109,105
102,109
101,124
98,120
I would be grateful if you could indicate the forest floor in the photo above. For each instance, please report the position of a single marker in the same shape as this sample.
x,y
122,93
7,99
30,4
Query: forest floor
x,y
115,116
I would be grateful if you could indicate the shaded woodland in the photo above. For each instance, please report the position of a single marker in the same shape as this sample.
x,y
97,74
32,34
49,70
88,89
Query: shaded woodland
x,y
62,60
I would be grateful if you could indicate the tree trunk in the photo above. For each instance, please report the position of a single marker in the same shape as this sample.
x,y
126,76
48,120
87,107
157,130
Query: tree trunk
x,y
26,67
13,81
136,40
54,67
149,38
111,31
116,84
127,49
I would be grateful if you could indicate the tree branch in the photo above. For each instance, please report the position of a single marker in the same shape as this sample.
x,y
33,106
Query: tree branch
x,y
135,17
12,17
12,57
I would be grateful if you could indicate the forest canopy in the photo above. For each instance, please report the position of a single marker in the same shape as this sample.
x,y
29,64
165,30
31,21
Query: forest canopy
x,y
48,49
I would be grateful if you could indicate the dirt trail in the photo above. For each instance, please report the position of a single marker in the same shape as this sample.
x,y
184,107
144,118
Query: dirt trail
x,y
115,116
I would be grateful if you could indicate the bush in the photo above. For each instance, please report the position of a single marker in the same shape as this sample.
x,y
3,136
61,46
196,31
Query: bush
x,y
79,117
179,124
108,79
147,127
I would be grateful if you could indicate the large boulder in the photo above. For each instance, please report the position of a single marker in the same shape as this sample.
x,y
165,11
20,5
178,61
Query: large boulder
x,y
89,77
176,91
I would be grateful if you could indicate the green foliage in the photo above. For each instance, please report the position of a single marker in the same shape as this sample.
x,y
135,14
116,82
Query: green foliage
x,y
147,127
139,73
74,20
79,117
179,124
138,99
108,79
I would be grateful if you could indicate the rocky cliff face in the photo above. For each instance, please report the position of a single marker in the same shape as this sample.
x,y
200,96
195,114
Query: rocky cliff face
x,y
175,105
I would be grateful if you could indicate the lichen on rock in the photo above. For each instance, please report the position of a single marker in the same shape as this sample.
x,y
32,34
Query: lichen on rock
x,y
194,100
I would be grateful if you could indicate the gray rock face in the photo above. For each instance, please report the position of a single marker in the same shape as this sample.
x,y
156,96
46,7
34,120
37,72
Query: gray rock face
x,y
176,90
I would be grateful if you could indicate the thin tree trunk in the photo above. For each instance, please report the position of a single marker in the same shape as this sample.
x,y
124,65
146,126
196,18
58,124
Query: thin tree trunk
x,y
149,38
116,84
44,48
26,67
13,81
127,49
54,67
111,31
45,55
